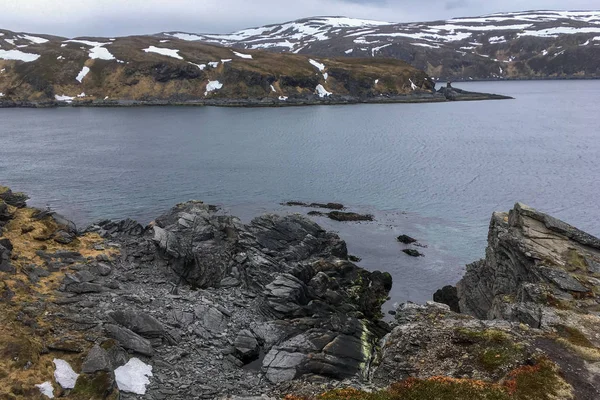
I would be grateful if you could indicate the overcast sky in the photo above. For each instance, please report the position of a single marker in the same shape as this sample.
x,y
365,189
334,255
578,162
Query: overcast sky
x,y
127,17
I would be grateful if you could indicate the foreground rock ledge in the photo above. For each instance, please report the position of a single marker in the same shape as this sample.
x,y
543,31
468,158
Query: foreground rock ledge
x,y
220,309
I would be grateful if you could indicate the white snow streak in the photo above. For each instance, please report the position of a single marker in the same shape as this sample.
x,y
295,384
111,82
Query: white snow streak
x,y
84,71
247,56
165,52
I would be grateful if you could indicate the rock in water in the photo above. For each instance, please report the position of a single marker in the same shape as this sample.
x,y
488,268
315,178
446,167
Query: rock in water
x,y
412,252
133,377
406,239
447,295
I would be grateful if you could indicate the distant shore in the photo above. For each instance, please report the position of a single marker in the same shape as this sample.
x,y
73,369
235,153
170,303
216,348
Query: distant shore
x,y
441,96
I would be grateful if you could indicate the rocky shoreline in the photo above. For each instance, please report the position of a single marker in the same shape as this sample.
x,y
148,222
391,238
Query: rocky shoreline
x,y
443,95
200,305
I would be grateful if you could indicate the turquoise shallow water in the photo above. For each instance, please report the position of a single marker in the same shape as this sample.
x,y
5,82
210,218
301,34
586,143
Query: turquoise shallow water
x,y
434,171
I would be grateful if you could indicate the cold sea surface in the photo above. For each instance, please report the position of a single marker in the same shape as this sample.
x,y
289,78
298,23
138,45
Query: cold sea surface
x,y
433,171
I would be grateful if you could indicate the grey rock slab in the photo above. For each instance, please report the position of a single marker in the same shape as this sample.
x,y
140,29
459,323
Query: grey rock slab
x,y
139,322
129,339
97,359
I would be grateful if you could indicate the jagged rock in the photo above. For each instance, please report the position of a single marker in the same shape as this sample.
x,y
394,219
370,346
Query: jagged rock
x,y
349,216
5,254
447,295
84,287
17,199
532,261
406,239
210,318
246,346
181,319
129,340
139,322
412,252
97,359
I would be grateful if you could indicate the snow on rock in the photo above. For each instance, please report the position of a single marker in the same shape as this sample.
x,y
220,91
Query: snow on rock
x,y
60,58
46,389
376,81
17,55
84,71
325,75
213,64
165,52
273,88
412,85
283,98
321,91
349,51
64,374
81,95
97,50
213,85
247,56
106,98
320,67
226,60
201,66
133,376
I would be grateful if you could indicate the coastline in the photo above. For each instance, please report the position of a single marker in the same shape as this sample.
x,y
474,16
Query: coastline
x,y
438,97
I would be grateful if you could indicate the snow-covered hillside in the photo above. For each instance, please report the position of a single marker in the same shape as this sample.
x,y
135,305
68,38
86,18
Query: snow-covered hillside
x,y
443,48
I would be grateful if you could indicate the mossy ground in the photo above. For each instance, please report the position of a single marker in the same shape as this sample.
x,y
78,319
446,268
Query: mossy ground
x,y
540,381
29,319
493,348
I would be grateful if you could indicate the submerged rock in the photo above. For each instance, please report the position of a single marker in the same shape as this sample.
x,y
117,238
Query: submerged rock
x,y
349,216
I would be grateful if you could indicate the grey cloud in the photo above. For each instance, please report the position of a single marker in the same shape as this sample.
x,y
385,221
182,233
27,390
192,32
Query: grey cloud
x,y
120,17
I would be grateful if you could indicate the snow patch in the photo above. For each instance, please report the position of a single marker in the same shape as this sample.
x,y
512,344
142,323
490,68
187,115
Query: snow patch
x,y
321,91
18,55
46,389
64,98
84,71
64,374
133,376
81,95
349,51
60,58
185,36
34,39
213,85
213,64
226,60
97,51
1,94
283,98
273,88
165,52
325,75
376,81
320,67
247,56
412,85
497,39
